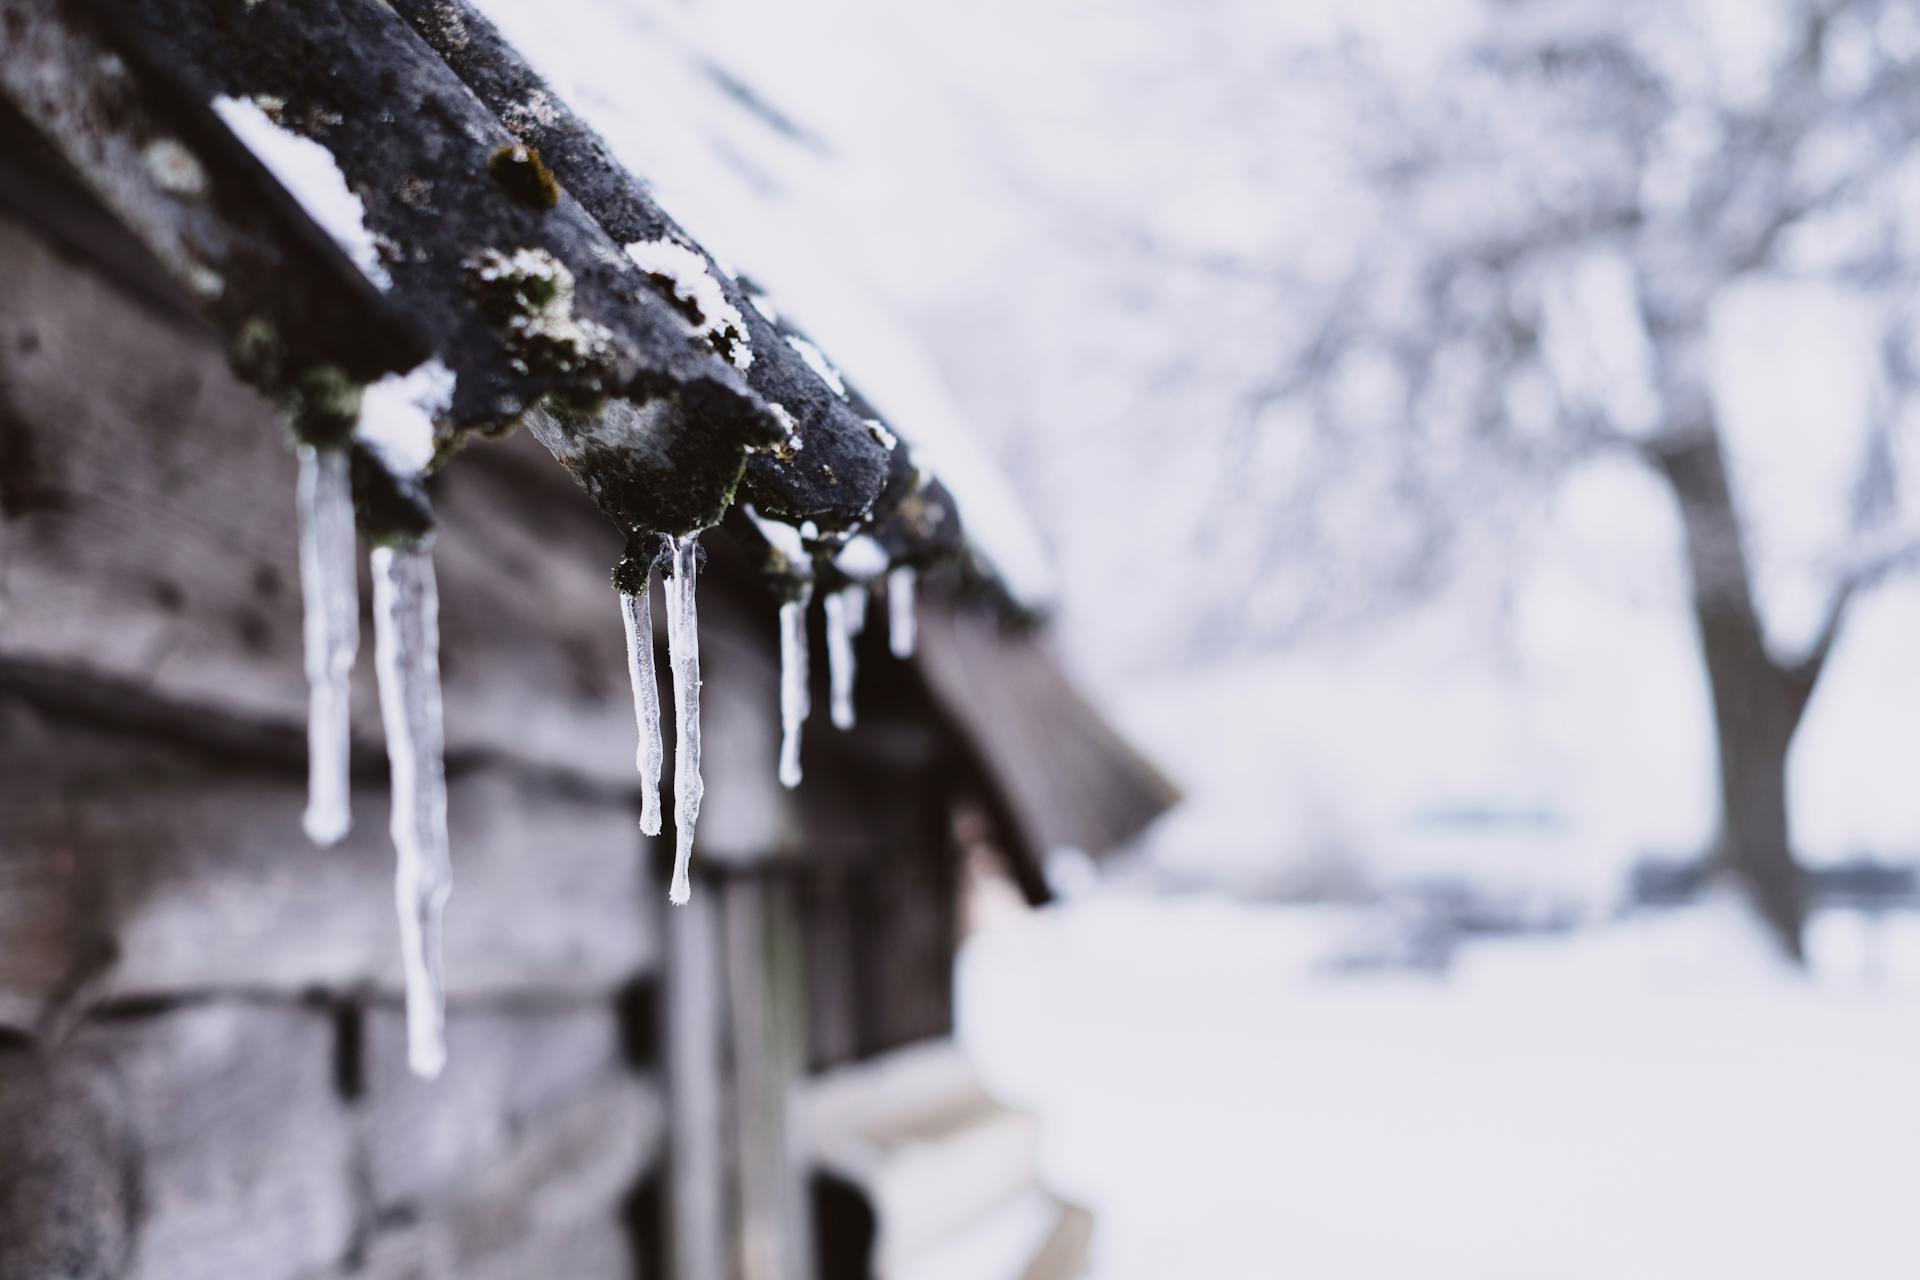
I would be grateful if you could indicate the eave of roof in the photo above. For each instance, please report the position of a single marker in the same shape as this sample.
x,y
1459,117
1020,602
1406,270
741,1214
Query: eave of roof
x,y
660,424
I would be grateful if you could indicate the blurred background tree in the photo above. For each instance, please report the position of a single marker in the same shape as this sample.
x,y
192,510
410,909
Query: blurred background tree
x,y
1559,217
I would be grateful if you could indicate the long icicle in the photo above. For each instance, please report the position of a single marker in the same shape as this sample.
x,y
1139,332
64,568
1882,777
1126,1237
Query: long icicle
x,y
856,594
683,655
329,589
795,698
406,650
900,619
636,613
841,616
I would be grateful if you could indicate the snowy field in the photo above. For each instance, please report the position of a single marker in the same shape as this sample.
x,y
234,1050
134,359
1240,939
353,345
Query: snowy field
x,y
1650,1099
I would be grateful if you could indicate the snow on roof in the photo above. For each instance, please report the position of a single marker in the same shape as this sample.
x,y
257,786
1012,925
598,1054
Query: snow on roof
x,y
308,171
715,317
737,184
397,413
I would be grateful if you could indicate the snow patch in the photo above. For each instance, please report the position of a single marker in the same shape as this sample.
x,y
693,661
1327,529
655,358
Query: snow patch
x,y
539,287
685,271
863,557
397,413
818,362
310,175
175,168
782,537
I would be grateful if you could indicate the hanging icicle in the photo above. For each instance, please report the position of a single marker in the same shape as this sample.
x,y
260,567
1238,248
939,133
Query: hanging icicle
x,y
683,655
406,648
636,612
795,701
900,619
329,589
857,595
841,616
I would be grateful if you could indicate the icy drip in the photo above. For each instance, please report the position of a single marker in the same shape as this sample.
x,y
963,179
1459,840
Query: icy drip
x,y
794,700
683,655
636,612
900,621
406,651
856,608
330,591
842,617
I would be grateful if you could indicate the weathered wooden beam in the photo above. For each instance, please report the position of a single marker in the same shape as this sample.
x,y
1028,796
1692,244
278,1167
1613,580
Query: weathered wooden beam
x,y
1057,775
837,463
142,869
484,262
850,468
148,502
237,243
523,296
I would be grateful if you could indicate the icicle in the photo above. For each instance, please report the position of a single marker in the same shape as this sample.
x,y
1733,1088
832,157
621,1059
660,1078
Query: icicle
x,y
795,702
406,650
900,612
329,588
683,654
636,612
840,633
856,608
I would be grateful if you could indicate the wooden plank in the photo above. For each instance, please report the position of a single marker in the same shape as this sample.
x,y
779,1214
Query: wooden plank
x,y
1060,776
907,905
1067,1249
833,1034
697,1222
766,1017
508,1068
738,1200
243,1141
194,196
600,1248
151,870
149,540
67,1172
536,1197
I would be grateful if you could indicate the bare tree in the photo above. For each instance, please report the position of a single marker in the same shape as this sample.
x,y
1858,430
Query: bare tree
x,y
1558,213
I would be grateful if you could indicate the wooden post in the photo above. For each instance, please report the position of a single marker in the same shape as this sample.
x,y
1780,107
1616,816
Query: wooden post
x,y
696,1219
736,1054
767,1012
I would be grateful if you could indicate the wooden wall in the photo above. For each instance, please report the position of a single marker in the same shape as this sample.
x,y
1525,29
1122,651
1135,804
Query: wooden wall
x,y
201,1052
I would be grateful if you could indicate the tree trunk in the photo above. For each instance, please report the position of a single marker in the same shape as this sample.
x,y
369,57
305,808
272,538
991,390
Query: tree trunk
x,y
1754,722
1757,702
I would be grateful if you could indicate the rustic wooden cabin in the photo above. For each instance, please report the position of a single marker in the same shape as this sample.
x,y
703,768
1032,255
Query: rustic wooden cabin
x,y
203,1046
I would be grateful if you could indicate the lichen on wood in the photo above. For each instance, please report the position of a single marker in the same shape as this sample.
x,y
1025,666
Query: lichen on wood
x,y
525,298
838,468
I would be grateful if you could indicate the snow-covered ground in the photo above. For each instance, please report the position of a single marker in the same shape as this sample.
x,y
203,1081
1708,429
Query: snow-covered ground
x,y
1652,1099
